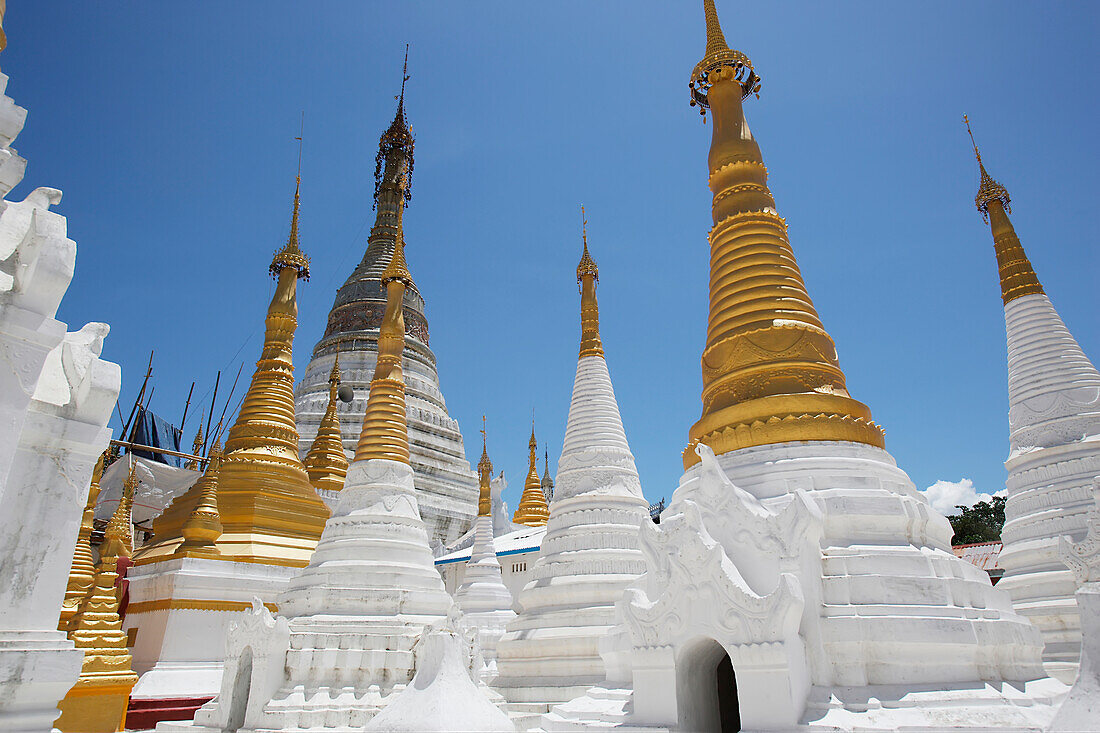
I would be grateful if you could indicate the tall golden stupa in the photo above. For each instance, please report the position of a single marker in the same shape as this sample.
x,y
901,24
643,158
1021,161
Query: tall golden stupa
x,y
268,510
770,370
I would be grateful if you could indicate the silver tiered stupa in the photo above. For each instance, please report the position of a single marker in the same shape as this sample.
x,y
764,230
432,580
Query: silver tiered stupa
x,y
447,486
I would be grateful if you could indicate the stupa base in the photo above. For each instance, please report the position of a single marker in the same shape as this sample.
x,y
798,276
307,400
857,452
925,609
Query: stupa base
x,y
37,668
1001,706
179,613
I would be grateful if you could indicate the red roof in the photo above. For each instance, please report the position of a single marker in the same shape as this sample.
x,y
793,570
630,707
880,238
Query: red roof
x,y
981,554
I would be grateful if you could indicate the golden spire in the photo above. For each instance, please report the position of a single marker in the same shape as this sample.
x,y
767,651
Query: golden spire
x,y
485,477
82,574
196,446
532,510
770,370
326,463
291,255
393,165
118,537
269,511
385,433
1018,277
716,40
98,700
204,527
720,63
587,277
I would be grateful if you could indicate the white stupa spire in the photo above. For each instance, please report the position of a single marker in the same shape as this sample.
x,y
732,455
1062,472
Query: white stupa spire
x,y
485,601
1054,441
1053,388
590,553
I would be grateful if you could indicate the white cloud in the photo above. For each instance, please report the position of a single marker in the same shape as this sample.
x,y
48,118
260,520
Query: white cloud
x,y
944,496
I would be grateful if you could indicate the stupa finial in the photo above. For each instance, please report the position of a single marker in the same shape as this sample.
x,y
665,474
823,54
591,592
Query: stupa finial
x,y
396,147
720,62
291,254
485,476
1017,276
716,40
989,190
587,265
587,277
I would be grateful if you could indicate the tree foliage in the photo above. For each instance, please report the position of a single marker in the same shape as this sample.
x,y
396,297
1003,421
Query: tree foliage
x,y
979,523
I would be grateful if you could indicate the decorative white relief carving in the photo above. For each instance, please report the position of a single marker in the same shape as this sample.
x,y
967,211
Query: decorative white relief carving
x,y
1083,558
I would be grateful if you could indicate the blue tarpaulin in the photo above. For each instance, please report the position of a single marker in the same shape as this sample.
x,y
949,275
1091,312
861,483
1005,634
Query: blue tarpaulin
x,y
152,430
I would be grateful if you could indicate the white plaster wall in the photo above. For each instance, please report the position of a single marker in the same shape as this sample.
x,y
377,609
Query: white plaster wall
x,y
179,652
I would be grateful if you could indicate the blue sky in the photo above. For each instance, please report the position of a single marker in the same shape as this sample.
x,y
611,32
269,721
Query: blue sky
x,y
170,126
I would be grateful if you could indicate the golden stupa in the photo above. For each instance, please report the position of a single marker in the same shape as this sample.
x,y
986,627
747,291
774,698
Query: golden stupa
x,y
533,509
269,512
588,274
203,527
325,462
82,572
118,535
770,370
97,702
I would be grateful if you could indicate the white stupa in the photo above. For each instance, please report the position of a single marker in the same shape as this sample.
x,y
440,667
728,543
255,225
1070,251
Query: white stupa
x,y
590,553
797,580
1054,436
56,396
484,599
349,621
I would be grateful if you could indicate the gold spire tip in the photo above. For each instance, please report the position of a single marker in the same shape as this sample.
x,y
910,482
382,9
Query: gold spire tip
x,y
291,255
977,154
989,190
720,62
587,265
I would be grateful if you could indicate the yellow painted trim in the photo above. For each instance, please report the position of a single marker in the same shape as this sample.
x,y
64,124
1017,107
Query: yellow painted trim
x,y
188,604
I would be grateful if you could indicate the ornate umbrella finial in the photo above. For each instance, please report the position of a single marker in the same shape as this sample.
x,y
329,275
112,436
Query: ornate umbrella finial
x,y
587,265
720,62
291,254
989,190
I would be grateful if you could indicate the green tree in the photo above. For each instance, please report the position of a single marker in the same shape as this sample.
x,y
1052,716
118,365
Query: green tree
x,y
979,523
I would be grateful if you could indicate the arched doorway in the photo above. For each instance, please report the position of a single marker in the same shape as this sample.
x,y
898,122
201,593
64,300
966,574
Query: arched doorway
x,y
238,704
706,689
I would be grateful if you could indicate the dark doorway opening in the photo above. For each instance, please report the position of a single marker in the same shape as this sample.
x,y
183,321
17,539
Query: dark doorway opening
x,y
729,712
706,689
